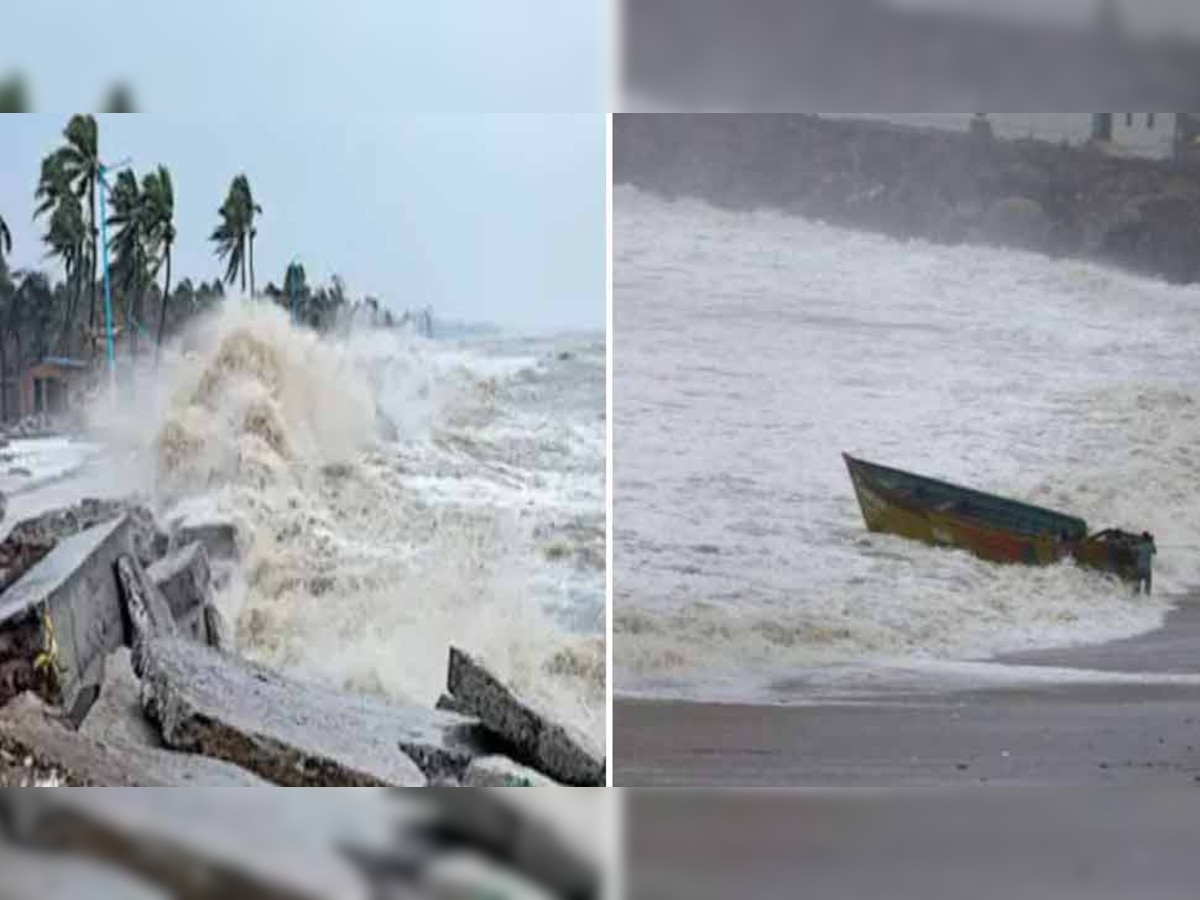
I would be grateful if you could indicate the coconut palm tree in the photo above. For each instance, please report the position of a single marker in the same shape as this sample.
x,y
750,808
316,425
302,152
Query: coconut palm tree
x,y
130,243
234,236
78,161
67,233
295,287
159,196
230,238
67,240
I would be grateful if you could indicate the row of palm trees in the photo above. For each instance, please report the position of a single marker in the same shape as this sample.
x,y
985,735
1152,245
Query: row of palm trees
x,y
38,317
143,218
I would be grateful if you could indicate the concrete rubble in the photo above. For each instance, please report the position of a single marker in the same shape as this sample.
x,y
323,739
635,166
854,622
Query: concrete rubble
x,y
218,537
185,579
32,539
297,734
30,729
537,740
116,670
117,716
70,604
500,771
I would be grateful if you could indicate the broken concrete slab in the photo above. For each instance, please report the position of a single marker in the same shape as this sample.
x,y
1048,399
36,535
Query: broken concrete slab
x,y
500,771
216,629
117,715
70,603
293,733
32,539
29,728
449,704
218,536
185,579
537,740
147,614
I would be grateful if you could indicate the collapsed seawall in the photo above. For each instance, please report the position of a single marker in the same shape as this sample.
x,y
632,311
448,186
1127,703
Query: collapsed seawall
x,y
947,187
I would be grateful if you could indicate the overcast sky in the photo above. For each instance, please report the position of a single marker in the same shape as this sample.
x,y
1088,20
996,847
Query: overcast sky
x,y
496,218
303,55
481,192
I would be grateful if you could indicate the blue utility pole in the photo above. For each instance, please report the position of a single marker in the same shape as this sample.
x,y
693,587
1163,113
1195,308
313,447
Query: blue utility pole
x,y
108,309
108,312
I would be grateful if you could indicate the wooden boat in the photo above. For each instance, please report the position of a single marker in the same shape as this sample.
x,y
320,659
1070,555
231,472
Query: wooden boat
x,y
991,527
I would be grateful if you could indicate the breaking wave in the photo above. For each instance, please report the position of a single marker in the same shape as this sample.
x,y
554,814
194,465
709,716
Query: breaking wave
x,y
756,347
393,497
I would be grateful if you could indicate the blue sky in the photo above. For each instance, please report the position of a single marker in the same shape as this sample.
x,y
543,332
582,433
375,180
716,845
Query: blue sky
x,y
479,190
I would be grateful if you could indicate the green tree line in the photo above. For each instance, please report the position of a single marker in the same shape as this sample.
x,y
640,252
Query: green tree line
x,y
43,316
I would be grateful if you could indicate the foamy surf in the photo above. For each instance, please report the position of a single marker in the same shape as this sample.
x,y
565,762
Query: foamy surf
x,y
384,510
756,347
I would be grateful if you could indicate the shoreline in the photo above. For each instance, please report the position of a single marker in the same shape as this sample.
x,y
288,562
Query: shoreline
x,y
1047,733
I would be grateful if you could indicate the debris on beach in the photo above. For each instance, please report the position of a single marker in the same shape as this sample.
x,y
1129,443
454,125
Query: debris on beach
x,y
115,669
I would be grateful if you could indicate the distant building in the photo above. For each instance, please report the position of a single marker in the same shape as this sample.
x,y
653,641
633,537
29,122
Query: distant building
x,y
1154,135
46,387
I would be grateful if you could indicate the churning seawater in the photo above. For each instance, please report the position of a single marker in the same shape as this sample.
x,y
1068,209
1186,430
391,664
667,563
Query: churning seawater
x,y
394,496
752,349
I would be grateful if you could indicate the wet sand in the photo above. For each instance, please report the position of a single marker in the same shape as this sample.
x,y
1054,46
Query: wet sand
x,y
1042,734
912,845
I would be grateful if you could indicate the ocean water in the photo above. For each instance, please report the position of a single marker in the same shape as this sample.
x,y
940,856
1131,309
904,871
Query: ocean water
x,y
751,349
394,496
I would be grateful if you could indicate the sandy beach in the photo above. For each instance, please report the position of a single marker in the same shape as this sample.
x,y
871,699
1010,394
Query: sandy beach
x,y
1044,733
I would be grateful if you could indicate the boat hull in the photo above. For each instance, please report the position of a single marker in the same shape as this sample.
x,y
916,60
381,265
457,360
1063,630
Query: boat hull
x,y
992,528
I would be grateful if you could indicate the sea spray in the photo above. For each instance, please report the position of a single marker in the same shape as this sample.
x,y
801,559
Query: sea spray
x,y
756,347
382,518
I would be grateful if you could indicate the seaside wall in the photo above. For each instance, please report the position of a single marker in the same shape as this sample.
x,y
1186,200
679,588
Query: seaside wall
x,y
942,186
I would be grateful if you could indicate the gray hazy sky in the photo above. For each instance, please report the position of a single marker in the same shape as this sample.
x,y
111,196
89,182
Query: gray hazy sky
x,y
485,217
481,193
302,55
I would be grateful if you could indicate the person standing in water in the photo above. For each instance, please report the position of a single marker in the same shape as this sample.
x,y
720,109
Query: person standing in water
x,y
1145,562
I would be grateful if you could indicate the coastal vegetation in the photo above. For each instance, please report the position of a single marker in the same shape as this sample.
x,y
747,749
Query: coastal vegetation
x,y
56,310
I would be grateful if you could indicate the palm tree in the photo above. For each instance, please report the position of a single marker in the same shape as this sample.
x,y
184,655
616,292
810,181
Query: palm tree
x,y
5,246
235,235
67,239
67,232
159,196
230,238
130,244
295,287
78,161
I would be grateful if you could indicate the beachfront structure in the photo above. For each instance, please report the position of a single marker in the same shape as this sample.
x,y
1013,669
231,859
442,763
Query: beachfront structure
x,y
46,387
1157,135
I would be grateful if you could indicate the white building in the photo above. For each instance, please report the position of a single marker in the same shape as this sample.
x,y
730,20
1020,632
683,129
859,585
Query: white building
x,y
1135,134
